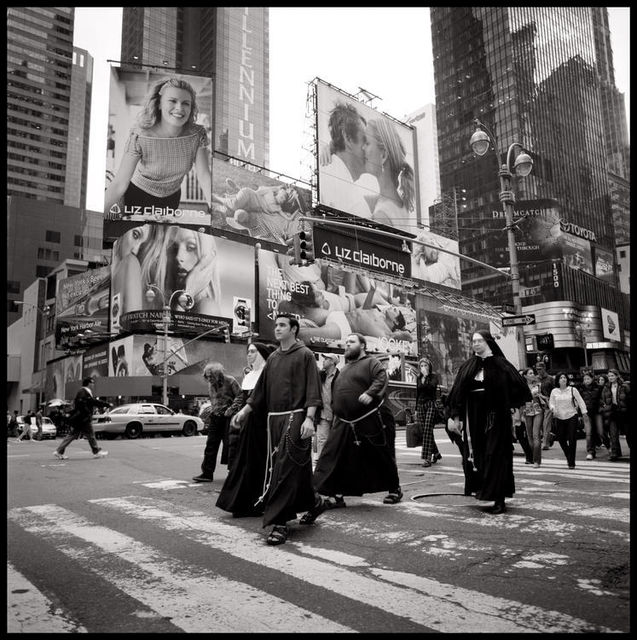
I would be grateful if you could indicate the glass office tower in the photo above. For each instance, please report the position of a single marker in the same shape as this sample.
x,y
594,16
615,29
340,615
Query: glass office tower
x,y
542,77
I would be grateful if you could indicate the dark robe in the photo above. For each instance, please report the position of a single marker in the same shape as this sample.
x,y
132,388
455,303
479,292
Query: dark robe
x,y
290,380
357,458
485,409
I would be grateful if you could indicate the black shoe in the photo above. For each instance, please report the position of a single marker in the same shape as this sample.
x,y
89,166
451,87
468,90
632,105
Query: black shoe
x,y
435,457
314,512
202,478
337,503
499,507
393,497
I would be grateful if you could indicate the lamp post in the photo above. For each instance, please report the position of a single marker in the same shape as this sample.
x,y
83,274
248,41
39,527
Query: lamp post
x,y
481,140
186,301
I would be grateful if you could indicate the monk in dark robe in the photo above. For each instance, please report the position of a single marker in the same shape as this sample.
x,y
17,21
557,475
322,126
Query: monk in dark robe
x,y
357,457
289,391
486,389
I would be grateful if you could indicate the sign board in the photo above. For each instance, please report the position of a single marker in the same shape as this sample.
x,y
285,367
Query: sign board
x,y
545,342
513,321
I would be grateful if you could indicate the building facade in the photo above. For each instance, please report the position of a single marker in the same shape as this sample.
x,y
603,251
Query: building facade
x,y
541,77
229,44
48,106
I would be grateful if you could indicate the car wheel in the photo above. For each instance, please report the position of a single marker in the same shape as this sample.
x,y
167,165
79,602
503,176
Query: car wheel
x,y
133,430
190,429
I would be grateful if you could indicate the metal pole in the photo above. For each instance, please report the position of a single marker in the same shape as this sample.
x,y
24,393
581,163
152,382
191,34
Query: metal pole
x,y
507,197
166,320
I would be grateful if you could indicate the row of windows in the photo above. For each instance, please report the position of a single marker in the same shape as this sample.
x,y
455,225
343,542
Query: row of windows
x,y
48,254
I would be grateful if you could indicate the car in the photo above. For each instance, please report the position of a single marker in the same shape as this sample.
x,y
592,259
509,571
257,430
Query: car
x,y
49,430
136,419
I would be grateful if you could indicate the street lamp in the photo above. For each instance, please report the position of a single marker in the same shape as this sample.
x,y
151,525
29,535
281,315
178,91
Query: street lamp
x,y
481,140
186,301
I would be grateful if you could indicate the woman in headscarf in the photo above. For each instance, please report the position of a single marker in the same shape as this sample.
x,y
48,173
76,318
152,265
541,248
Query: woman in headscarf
x,y
244,484
426,411
486,390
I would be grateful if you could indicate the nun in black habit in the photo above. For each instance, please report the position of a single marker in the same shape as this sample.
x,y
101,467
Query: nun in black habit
x,y
486,389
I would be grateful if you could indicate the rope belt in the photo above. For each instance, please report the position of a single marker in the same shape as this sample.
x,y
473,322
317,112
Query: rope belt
x,y
270,453
351,423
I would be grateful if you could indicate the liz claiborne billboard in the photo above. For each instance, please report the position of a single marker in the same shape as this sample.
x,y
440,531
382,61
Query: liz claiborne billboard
x,y
366,161
158,155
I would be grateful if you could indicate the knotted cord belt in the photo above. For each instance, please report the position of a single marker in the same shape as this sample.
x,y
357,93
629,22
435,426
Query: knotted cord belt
x,y
270,453
351,423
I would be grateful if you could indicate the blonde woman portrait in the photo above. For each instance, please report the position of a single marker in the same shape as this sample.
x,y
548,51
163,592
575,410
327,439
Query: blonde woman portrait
x,y
161,148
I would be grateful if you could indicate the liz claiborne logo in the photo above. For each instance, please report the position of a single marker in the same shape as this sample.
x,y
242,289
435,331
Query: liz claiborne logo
x,y
153,212
362,258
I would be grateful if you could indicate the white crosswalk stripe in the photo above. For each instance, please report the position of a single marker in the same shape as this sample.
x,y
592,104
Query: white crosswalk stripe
x,y
165,585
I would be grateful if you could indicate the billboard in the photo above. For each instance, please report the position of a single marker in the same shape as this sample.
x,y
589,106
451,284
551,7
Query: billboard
x,y
197,274
430,264
366,161
95,362
604,265
82,303
254,205
158,154
332,302
145,355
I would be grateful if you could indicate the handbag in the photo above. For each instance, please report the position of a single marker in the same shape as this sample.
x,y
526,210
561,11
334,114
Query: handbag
x,y
413,430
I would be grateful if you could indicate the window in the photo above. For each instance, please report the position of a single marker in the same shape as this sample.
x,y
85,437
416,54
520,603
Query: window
x,y
53,236
42,272
78,241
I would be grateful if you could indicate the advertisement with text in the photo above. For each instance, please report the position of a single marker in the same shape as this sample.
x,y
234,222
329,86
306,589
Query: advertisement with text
x,y
430,263
81,305
332,302
195,274
158,156
366,161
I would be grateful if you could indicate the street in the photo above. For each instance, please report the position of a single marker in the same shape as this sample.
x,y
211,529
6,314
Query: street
x,y
129,544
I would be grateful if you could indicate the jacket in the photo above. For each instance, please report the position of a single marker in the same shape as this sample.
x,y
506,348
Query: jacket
x,y
606,400
591,395
84,405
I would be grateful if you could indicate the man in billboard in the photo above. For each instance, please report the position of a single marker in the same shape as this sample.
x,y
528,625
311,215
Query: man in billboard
x,y
346,162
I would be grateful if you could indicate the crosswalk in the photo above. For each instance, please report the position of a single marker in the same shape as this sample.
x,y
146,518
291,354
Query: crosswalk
x,y
345,582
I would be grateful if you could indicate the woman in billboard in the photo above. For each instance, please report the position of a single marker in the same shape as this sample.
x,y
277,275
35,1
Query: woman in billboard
x,y
184,260
385,158
126,279
161,150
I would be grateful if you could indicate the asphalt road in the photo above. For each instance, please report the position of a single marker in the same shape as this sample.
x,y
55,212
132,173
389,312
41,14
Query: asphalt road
x,y
130,544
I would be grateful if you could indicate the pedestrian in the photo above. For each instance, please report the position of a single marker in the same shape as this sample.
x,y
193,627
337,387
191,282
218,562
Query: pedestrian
x,y
547,382
27,427
533,415
12,427
80,419
486,388
519,433
594,426
614,400
225,398
565,400
244,483
427,411
38,424
357,457
289,391
328,375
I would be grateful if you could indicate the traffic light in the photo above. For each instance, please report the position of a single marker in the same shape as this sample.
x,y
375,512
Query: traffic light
x,y
306,245
294,249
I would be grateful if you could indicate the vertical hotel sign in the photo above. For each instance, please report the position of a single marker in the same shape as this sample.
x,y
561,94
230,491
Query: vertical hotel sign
x,y
244,51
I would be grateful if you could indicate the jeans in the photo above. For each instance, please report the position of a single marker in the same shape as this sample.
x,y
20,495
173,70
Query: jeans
x,y
567,437
521,437
614,430
547,421
217,433
322,431
534,435
595,435
75,433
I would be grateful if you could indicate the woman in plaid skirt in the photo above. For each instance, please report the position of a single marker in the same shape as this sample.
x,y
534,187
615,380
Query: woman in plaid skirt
x,y
426,412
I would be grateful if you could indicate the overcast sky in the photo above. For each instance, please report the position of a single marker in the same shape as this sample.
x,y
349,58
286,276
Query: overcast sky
x,y
386,51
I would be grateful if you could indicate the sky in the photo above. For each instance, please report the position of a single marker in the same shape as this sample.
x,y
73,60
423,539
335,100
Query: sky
x,y
384,50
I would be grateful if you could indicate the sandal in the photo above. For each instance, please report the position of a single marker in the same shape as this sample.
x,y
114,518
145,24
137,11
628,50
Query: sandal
x,y
394,497
337,503
314,512
278,535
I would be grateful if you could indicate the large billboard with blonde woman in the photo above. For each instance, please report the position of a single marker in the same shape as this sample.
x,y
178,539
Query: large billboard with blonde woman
x,y
197,275
158,153
366,161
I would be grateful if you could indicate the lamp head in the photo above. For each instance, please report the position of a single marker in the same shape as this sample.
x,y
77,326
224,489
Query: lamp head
x,y
523,164
480,142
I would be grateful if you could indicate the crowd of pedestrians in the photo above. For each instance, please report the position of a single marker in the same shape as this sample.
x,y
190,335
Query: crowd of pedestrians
x,y
298,439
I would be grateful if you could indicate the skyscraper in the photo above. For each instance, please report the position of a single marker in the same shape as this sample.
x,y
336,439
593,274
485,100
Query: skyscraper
x,y
229,44
541,77
48,106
